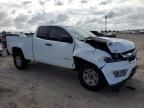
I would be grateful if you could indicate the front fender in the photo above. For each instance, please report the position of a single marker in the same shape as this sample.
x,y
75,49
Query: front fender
x,y
90,54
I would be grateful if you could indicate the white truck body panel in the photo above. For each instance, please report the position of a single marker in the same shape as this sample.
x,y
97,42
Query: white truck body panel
x,y
24,43
109,68
59,53
119,45
90,54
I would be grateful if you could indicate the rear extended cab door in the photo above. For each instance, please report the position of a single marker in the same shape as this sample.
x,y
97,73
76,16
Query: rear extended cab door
x,y
50,46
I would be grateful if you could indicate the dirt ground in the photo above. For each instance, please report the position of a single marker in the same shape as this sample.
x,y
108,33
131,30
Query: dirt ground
x,y
45,86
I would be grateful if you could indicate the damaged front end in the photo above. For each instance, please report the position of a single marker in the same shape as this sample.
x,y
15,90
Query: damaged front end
x,y
119,51
119,67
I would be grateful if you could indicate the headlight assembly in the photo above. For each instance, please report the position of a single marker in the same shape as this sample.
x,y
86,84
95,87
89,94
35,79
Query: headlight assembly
x,y
108,59
120,73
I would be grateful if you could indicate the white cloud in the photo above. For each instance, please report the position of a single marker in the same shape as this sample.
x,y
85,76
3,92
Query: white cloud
x,y
27,14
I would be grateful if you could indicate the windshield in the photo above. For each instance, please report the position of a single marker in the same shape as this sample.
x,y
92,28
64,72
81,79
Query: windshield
x,y
81,34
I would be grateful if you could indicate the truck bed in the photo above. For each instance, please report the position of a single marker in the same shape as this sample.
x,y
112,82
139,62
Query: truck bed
x,y
24,43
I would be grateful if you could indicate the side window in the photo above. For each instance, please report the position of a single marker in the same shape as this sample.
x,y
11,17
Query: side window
x,y
57,34
43,32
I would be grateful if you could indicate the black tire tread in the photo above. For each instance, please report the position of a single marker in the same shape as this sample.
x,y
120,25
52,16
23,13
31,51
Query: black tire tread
x,y
24,61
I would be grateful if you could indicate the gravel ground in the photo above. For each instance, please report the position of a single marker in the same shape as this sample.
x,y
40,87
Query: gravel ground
x,y
45,86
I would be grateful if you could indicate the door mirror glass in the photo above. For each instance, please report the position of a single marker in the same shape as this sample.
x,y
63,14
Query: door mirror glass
x,y
67,39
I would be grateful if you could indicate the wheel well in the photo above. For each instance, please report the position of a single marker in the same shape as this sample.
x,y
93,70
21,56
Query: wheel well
x,y
79,61
16,50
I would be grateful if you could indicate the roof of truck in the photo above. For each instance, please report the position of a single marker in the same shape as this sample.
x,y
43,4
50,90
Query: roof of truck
x,y
55,25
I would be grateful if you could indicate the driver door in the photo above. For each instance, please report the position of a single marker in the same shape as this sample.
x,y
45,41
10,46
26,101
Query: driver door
x,y
50,47
60,51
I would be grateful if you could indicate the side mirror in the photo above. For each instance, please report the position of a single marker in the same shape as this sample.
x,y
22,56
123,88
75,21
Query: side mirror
x,y
67,39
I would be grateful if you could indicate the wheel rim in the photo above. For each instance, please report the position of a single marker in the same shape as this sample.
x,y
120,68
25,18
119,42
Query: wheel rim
x,y
90,77
18,61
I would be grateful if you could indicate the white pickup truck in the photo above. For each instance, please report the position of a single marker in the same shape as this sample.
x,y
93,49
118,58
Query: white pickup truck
x,y
99,60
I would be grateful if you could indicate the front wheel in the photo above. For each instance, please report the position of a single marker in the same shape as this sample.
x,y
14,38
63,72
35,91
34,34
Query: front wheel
x,y
19,61
91,77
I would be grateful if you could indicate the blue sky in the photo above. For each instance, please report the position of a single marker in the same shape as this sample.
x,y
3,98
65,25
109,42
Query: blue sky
x,y
26,15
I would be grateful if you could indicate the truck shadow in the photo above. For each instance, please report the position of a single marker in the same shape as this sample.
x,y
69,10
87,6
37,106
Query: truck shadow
x,y
49,71
65,82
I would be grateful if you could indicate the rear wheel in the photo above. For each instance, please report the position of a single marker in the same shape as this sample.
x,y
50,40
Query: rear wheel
x,y
19,61
91,77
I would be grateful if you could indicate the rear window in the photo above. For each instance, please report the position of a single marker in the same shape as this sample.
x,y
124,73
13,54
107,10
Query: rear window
x,y
57,33
43,32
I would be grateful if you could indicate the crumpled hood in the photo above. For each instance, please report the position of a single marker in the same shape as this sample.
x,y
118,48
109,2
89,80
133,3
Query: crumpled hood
x,y
116,45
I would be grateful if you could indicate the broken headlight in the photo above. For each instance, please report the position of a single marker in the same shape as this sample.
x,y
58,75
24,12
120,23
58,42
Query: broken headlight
x,y
108,59
114,58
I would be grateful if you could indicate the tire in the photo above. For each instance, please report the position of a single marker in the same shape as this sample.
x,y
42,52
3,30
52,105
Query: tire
x,y
20,62
91,77
8,52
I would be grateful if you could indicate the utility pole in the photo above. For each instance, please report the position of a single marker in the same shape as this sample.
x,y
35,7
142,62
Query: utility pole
x,y
105,23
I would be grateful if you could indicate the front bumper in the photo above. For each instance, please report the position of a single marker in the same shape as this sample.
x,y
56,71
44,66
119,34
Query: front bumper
x,y
122,82
109,68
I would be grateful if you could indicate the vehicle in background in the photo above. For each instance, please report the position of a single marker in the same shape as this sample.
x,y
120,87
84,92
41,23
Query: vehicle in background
x,y
104,34
29,34
0,37
1,49
99,60
8,34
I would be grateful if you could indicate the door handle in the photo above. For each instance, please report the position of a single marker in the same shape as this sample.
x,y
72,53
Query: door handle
x,y
48,44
